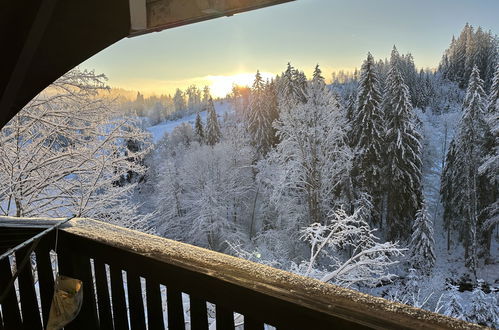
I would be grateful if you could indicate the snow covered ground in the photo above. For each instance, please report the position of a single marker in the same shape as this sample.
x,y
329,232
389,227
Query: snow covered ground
x,y
157,131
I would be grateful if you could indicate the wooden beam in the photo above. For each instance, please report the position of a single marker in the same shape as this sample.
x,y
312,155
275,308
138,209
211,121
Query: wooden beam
x,y
166,14
31,45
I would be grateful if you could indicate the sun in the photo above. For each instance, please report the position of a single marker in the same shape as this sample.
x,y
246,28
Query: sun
x,y
220,86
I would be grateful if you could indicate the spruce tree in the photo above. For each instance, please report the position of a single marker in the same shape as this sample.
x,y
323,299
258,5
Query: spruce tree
x,y
422,247
403,155
447,187
489,172
291,87
198,129
470,149
259,116
213,133
367,136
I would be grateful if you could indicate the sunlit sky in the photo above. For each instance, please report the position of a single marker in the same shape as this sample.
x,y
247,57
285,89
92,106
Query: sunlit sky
x,y
336,34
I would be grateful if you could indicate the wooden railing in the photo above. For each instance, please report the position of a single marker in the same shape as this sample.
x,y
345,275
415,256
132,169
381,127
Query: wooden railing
x,y
125,274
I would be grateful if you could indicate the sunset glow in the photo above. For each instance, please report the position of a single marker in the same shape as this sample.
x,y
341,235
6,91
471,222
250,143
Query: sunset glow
x,y
220,86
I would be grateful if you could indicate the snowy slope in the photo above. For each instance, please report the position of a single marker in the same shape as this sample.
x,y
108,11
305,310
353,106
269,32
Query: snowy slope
x,y
157,131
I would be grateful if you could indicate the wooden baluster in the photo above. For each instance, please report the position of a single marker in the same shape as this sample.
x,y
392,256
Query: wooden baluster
x,y
224,317
199,313
87,318
135,301
175,308
10,306
154,305
118,298
252,324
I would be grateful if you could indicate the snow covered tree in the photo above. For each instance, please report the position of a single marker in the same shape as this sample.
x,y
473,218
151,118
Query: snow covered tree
x,y
453,306
403,155
469,151
366,262
193,97
261,113
213,133
206,96
367,136
483,311
66,153
489,170
198,129
312,161
179,101
471,48
291,86
422,246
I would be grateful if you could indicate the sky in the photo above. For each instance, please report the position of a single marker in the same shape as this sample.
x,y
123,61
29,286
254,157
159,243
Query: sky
x,y
336,34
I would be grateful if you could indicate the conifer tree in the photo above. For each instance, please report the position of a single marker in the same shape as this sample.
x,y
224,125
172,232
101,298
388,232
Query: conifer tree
x,y
489,171
179,100
198,129
447,187
213,133
206,96
260,116
403,155
291,87
367,135
422,247
469,143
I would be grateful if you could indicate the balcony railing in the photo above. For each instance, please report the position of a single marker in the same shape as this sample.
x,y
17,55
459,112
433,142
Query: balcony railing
x,y
125,274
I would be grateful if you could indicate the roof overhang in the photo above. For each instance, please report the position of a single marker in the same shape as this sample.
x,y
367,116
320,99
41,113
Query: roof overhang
x,y
43,39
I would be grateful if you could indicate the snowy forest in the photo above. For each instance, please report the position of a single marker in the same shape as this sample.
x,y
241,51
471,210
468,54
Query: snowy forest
x,y
384,180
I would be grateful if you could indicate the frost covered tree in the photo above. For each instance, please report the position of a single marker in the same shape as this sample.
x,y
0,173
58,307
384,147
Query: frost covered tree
x,y
312,161
352,252
66,153
367,136
291,87
464,199
213,133
193,97
489,169
422,245
206,96
179,101
471,48
261,113
203,194
483,310
199,129
403,155
453,306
